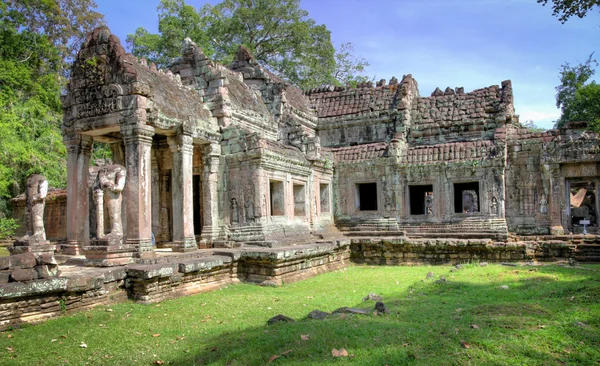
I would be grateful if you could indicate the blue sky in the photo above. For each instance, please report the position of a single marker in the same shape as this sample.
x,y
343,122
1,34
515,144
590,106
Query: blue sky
x,y
468,43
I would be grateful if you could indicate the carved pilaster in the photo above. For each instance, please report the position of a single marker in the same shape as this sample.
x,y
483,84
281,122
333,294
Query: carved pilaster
x,y
138,146
182,191
79,148
555,211
210,191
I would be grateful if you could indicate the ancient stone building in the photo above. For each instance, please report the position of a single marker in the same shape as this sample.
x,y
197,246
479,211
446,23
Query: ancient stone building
x,y
221,156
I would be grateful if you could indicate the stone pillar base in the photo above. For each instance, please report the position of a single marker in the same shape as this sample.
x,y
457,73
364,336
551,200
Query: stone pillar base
x,y
186,245
71,248
35,246
104,253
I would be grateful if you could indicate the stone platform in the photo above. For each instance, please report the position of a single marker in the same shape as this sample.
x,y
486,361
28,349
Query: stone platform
x,y
170,274
167,275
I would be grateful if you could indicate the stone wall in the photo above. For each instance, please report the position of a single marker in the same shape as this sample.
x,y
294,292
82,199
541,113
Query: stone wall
x,y
457,116
55,215
155,279
382,251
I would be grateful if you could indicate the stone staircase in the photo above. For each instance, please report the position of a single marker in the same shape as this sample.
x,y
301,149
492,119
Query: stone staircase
x,y
472,228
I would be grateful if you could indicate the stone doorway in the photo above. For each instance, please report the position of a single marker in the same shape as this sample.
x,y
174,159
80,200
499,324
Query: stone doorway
x,y
466,197
582,205
197,197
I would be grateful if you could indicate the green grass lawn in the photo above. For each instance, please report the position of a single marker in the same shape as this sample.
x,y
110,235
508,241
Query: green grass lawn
x,y
547,316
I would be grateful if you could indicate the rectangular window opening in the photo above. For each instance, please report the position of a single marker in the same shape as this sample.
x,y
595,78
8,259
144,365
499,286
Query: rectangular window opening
x,y
299,200
367,196
421,200
466,197
324,197
277,198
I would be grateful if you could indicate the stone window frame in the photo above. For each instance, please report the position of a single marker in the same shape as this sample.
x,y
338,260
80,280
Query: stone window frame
x,y
320,211
482,207
433,189
304,184
356,193
270,201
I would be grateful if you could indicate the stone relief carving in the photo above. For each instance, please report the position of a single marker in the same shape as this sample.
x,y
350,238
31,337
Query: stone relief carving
x,y
235,211
494,206
111,180
37,190
543,204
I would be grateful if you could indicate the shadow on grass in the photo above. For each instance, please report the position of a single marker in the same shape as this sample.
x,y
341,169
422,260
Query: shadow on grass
x,y
534,321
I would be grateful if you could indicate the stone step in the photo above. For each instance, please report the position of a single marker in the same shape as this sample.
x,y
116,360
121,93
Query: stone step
x,y
375,233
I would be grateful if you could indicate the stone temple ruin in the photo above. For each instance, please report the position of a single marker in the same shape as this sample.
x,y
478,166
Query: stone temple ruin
x,y
246,177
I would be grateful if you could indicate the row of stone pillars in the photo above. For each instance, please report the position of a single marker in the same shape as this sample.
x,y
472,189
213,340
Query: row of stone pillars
x,y
138,187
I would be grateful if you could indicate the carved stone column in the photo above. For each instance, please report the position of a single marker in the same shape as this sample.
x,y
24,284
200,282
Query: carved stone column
x,y
556,193
210,192
79,149
155,192
138,195
99,198
182,193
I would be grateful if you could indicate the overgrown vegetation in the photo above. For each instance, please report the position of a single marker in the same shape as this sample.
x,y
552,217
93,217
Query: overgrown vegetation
x,y
37,40
7,227
548,315
280,35
577,96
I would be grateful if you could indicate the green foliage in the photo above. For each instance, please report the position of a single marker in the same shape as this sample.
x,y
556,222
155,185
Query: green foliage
x,y
573,94
564,9
176,21
100,151
7,227
37,39
349,68
586,106
531,126
65,23
279,34
549,315
30,118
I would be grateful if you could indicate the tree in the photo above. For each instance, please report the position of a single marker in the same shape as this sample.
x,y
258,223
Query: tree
x,y
573,94
37,39
65,23
586,106
564,9
348,67
531,126
176,21
279,34
30,117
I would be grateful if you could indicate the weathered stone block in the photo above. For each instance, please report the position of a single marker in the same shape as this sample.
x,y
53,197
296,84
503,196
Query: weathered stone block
x,y
24,260
4,263
150,270
23,274
46,258
47,270
4,276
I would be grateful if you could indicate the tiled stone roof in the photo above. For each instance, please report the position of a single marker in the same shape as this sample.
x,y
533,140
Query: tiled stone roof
x,y
360,152
456,151
354,100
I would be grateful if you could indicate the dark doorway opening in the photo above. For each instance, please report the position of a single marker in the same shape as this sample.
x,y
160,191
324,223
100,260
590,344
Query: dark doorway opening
x,y
367,196
466,197
583,203
421,199
197,198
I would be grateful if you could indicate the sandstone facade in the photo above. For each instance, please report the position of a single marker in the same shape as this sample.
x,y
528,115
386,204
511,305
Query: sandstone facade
x,y
227,156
